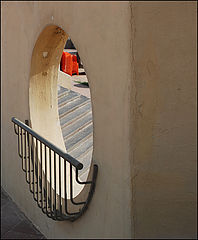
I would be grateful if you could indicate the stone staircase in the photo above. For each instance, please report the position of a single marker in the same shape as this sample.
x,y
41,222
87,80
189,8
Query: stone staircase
x,y
75,114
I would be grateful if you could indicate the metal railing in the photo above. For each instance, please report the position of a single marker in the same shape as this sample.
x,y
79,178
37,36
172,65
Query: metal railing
x,y
41,160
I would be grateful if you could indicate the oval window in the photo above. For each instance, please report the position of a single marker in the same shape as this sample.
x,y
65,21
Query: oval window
x,y
60,104
74,107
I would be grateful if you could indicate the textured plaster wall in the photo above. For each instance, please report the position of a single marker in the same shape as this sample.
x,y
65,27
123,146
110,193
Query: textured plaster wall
x,y
163,119
140,59
98,29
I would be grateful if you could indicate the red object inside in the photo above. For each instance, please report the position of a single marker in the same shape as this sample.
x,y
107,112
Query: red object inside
x,y
69,64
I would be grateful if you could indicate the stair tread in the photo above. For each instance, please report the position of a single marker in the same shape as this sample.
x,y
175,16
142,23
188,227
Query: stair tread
x,y
67,97
78,137
83,148
85,159
78,124
75,114
62,90
70,106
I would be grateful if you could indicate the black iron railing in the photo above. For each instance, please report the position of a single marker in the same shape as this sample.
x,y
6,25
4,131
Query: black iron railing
x,y
46,169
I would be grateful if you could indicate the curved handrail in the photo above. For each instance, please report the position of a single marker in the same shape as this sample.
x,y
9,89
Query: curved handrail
x,y
29,143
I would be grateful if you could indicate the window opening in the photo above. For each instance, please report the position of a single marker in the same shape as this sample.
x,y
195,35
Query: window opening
x,y
74,106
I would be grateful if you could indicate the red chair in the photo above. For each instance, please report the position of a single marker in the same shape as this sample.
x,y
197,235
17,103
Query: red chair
x,y
69,63
75,65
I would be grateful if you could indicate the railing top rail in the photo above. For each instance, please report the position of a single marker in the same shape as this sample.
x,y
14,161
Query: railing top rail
x,y
64,155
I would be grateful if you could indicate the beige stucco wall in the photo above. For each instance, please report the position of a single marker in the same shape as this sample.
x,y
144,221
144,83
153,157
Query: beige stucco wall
x,y
164,119
140,59
97,32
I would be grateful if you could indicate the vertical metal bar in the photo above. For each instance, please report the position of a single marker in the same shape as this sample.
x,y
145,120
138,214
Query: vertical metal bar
x,y
45,192
71,183
22,154
25,157
71,191
37,181
30,159
71,188
41,170
19,152
15,129
60,186
65,188
55,185
28,156
65,185
33,158
50,165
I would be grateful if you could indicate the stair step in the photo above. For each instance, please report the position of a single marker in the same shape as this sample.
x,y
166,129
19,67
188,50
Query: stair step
x,y
62,91
82,149
77,125
75,115
86,157
76,139
70,96
73,105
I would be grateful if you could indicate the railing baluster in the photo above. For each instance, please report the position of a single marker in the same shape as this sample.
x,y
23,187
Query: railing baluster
x,y
65,187
30,160
15,129
65,182
33,151
19,144
48,192
45,189
26,167
71,189
50,165
60,187
22,153
28,156
47,196
55,213
37,175
71,184
41,170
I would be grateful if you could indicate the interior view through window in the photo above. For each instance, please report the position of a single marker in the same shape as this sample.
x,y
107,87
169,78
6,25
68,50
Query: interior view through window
x,y
74,106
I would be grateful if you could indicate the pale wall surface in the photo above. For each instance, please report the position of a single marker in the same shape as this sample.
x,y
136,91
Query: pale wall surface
x,y
164,119
140,59
97,30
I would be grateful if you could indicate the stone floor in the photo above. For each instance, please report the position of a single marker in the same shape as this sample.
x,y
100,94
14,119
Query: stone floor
x,y
80,88
14,224
76,85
